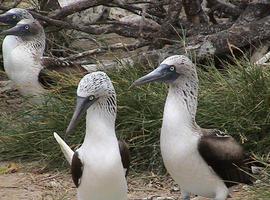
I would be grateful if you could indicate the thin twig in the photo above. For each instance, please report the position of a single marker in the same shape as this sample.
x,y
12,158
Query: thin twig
x,y
117,46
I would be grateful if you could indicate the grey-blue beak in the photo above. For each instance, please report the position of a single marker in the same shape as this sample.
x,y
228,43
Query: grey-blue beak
x,y
9,19
163,73
16,30
83,103
6,19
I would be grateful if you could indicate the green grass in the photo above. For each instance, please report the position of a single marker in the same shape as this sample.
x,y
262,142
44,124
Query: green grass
x,y
236,100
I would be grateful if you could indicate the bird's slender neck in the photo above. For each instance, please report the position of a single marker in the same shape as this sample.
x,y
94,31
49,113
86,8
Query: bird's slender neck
x,y
180,107
34,44
185,92
100,123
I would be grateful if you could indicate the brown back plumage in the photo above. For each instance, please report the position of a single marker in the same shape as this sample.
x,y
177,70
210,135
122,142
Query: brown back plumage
x,y
226,157
76,169
125,155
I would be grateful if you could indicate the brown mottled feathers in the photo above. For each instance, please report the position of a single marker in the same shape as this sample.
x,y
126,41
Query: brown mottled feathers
x,y
76,169
225,156
125,155
54,64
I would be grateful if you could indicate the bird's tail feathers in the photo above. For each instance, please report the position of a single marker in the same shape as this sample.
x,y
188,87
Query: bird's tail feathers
x,y
67,151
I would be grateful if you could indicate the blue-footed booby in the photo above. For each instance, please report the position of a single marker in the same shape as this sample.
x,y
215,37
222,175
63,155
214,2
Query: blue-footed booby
x,y
23,49
203,162
98,167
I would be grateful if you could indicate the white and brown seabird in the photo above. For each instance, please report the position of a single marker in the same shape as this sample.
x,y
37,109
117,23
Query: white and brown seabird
x,y
11,18
203,162
23,49
99,166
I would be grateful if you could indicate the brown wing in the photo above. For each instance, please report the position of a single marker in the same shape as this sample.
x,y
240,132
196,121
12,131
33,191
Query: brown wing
x,y
76,169
226,157
125,155
57,65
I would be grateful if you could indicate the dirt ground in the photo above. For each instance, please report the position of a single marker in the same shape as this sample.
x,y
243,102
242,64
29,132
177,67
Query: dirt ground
x,y
25,182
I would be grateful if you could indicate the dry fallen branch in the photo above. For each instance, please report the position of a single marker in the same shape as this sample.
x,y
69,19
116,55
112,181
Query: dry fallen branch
x,y
203,29
117,46
218,43
253,12
123,29
155,25
76,7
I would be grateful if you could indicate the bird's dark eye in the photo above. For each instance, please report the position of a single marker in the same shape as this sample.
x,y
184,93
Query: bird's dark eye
x,y
14,16
91,97
26,27
172,68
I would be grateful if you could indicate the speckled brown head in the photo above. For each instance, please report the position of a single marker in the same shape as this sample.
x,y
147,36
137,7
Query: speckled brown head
x,y
172,70
180,73
95,90
25,28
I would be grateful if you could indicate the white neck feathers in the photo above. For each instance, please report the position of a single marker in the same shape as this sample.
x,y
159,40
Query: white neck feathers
x,y
186,92
34,44
100,124
180,111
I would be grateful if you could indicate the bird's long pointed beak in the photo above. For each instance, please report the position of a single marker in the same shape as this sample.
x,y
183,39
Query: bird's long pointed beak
x,y
6,19
157,75
12,31
82,105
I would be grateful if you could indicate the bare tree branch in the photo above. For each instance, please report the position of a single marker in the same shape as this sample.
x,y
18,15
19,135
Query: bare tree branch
x,y
123,5
242,26
123,29
203,29
117,46
238,36
76,7
253,12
